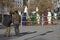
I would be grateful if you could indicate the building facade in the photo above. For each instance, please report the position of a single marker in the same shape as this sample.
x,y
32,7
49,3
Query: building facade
x,y
56,3
19,3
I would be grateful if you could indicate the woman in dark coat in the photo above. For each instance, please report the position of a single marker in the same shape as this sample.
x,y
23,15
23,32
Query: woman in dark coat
x,y
6,22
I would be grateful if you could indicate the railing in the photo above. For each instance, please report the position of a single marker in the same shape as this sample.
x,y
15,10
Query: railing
x,y
42,21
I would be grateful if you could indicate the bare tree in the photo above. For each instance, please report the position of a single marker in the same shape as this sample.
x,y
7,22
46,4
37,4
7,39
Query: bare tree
x,y
45,4
42,4
6,4
9,4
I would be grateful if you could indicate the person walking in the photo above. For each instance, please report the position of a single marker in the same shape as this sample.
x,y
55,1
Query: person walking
x,y
49,17
6,22
16,21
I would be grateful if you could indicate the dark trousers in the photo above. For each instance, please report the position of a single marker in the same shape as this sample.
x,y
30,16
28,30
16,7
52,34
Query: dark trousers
x,y
16,30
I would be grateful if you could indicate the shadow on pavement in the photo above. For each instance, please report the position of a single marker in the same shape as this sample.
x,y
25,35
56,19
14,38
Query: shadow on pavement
x,y
43,34
4,38
39,39
26,33
49,31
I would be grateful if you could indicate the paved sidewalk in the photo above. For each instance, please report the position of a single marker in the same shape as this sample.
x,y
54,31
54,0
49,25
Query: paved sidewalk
x,y
34,33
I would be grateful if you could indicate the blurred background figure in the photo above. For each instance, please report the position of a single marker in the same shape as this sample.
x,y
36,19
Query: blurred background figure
x,y
49,17
38,16
55,15
24,16
34,17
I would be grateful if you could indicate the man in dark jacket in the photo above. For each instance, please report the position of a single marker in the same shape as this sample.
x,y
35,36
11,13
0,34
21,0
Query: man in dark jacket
x,y
16,21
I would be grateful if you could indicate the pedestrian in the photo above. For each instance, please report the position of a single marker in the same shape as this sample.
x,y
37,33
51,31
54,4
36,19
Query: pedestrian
x,y
24,15
6,22
49,17
55,15
34,17
16,21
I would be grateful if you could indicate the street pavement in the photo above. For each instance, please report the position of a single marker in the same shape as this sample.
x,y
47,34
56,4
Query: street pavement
x,y
46,32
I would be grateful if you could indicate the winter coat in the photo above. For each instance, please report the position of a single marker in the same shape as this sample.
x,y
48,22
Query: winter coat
x,y
7,20
16,19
